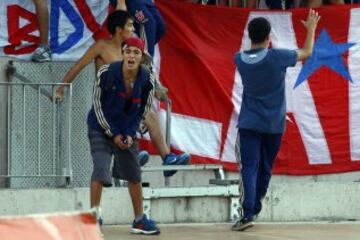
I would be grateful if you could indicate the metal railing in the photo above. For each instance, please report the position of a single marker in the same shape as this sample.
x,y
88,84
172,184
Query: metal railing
x,y
38,131
168,122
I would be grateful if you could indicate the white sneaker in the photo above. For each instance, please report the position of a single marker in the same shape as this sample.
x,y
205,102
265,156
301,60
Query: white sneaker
x,y
42,54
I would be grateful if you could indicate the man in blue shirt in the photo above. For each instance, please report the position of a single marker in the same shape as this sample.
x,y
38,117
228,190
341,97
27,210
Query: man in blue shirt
x,y
263,110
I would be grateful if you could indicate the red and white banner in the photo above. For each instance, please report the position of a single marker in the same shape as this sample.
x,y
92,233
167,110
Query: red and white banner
x,y
60,226
73,27
323,127
196,63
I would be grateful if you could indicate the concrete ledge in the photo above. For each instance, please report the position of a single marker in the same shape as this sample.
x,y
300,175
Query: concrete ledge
x,y
313,202
285,202
261,231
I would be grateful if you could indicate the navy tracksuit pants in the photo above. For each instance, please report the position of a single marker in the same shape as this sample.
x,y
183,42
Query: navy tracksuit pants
x,y
255,153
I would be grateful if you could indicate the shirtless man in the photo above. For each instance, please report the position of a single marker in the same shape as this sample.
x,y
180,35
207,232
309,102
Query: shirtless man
x,y
121,27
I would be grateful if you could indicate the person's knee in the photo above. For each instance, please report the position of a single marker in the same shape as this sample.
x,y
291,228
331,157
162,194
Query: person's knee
x,y
160,29
151,119
134,182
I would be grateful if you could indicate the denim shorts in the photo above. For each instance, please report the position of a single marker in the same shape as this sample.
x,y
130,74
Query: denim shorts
x,y
126,164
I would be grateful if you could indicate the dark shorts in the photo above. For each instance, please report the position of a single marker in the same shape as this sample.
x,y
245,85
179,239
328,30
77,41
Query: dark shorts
x,y
126,162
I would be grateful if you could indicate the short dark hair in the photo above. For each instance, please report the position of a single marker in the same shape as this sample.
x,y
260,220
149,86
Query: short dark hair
x,y
117,18
259,29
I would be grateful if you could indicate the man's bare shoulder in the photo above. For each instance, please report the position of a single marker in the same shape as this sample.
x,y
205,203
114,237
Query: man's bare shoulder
x,y
104,43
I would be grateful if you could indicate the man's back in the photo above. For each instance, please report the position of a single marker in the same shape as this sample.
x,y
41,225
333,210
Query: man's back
x,y
263,76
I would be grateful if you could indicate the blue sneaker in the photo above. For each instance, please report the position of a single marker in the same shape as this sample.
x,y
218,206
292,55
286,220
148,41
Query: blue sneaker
x,y
145,226
100,221
173,159
143,157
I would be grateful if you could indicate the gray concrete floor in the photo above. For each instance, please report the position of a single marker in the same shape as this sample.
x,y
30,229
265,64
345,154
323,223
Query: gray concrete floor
x,y
261,231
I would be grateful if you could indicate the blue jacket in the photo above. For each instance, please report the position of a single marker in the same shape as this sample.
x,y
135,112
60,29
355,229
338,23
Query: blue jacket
x,y
111,112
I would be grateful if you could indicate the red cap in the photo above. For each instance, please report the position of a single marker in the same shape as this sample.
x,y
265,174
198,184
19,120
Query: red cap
x,y
134,42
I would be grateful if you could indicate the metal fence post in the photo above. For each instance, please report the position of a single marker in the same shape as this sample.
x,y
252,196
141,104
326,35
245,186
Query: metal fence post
x,y
168,131
4,133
